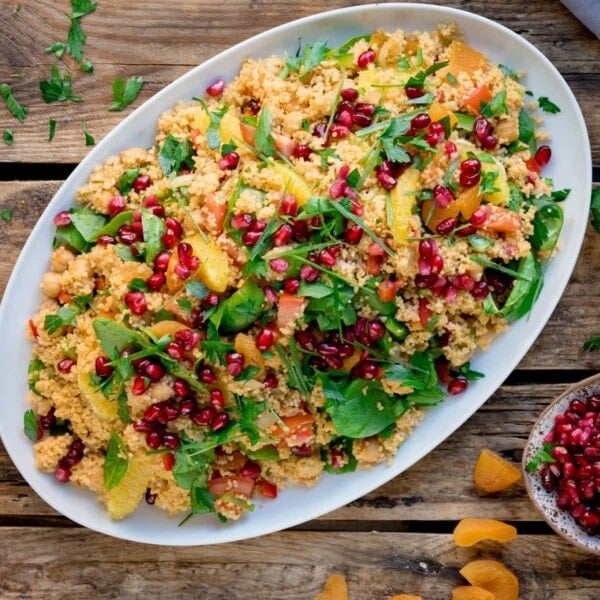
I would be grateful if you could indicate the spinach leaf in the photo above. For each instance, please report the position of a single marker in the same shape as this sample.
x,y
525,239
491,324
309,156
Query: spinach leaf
x,y
87,222
527,131
547,223
526,289
71,237
153,229
116,461
31,426
360,409
114,337
112,227
240,310
595,208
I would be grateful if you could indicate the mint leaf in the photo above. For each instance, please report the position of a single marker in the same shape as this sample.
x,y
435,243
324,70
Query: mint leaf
x,y
16,110
124,93
116,461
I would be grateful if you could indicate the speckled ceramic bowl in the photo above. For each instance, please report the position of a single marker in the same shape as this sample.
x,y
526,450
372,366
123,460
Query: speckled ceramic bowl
x,y
561,521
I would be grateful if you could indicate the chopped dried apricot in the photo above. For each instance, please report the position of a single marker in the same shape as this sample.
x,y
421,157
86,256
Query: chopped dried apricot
x,y
492,576
471,592
471,530
336,588
493,473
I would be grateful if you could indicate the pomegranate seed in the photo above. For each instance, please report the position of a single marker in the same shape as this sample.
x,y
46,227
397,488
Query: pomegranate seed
x,y
469,180
543,155
161,262
62,219
289,205
449,149
349,94
116,205
106,240
442,196
62,473
457,386
307,340
481,128
154,439
141,183
344,118
156,281
353,234
241,221
140,385
207,375
181,388
446,226
376,330
155,372
279,265
251,469
283,235
249,238
229,161
489,142
219,421
174,225
413,91
187,407
204,416
217,399
479,217
169,238
187,338
308,273
65,365
270,294
235,369
136,302
302,151
366,58
338,132
265,339
319,130
270,381
216,88
103,367
361,120
365,108
386,181
470,165
170,441
420,121
234,357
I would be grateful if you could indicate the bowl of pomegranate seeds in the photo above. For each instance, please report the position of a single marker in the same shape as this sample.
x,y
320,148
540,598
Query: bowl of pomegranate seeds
x,y
562,464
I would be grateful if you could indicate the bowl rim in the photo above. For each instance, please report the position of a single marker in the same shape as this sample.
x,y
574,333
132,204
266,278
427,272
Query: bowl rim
x,y
555,406
493,380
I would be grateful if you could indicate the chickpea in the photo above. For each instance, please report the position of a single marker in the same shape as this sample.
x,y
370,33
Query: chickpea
x,y
80,268
51,284
60,260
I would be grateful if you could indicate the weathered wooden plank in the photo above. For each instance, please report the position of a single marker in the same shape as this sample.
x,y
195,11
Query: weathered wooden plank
x,y
50,563
574,320
172,41
440,487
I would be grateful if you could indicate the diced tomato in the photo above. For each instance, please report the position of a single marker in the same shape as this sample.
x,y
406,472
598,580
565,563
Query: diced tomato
x,y
299,426
425,313
501,220
218,211
248,132
374,265
33,329
168,461
234,484
386,291
532,165
289,309
266,489
473,102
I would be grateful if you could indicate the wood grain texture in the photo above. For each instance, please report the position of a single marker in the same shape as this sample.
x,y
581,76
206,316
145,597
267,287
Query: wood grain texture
x,y
160,43
59,563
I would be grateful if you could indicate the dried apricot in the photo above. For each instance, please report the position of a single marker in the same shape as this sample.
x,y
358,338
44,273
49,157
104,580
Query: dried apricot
x,y
336,588
493,473
470,531
492,576
471,592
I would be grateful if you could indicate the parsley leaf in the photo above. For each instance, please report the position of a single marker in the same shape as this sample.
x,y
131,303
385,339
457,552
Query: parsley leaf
x,y
116,461
496,106
6,214
326,154
31,425
547,105
51,129
8,137
543,455
124,93
248,411
418,80
591,344
595,209
65,316
263,140
126,180
508,72
312,56
89,138
87,67
57,88
175,154
16,110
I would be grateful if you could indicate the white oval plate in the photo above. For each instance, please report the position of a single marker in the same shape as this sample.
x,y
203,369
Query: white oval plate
x,y
570,167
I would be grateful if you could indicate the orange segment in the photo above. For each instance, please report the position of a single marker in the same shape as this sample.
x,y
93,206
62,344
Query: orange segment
x,y
470,531
336,588
464,59
471,592
493,473
473,102
438,111
100,404
492,576
466,204
167,327
124,498
246,345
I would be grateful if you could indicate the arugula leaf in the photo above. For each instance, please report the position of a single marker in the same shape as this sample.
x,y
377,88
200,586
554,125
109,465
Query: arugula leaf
x,y
527,130
116,461
71,237
174,154
496,106
525,290
240,310
263,140
153,228
547,223
293,366
543,455
112,227
124,93
595,209
547,105
89,139
58,88
51,129
361,408
16,110
426,397
8,137
31,426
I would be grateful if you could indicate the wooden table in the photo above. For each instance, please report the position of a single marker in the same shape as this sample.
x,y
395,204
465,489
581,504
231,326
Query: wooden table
x,y
396,539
